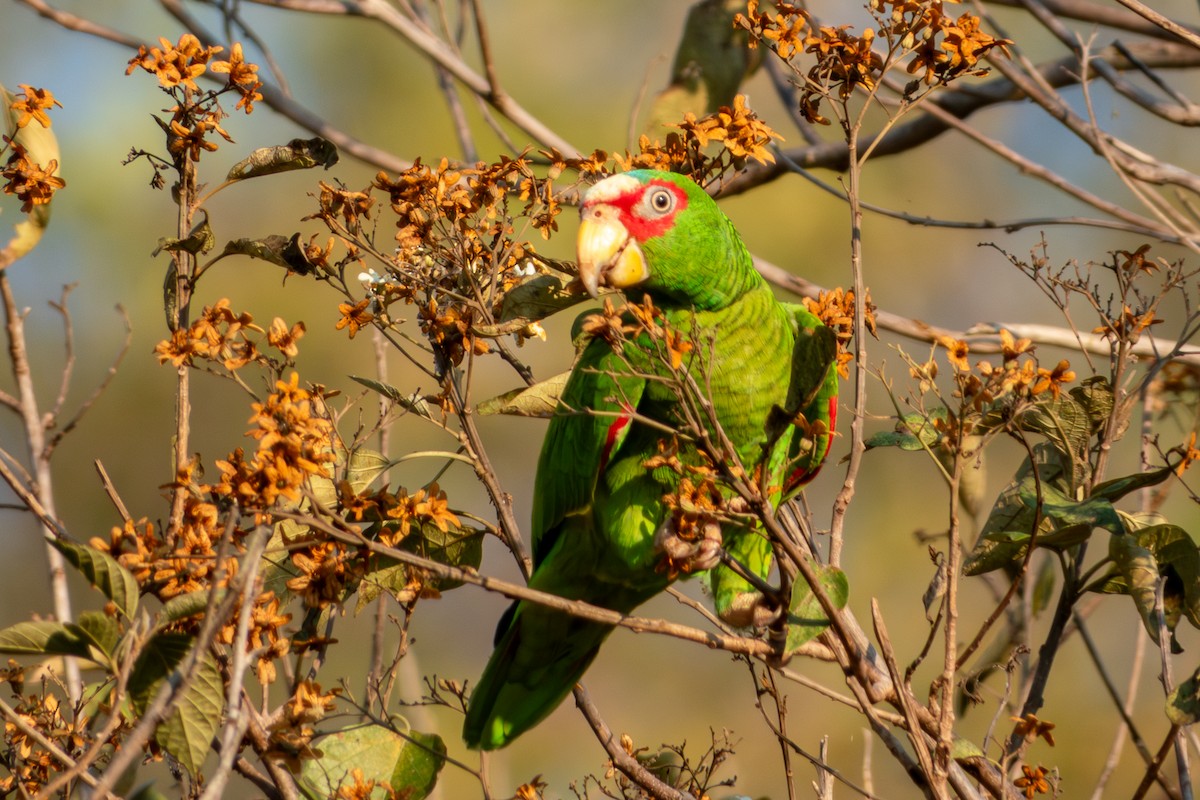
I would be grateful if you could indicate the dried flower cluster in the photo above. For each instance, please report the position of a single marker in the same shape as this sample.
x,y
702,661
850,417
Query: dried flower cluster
x,y
295,443
934,46
619,324
835,308
230,340
1018,379
177,66
455,255
736,129
292,734
37,718
196,117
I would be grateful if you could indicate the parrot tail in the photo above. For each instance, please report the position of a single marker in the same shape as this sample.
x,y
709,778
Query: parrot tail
x,y
540,655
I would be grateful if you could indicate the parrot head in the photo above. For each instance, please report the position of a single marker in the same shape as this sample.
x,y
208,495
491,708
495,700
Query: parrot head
x,y
662,233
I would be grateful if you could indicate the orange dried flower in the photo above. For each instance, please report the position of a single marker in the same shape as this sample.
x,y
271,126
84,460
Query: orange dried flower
x,y
33,184
32,104
354,316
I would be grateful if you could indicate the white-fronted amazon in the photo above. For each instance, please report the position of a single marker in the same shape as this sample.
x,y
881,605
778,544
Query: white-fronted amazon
x,y
601,530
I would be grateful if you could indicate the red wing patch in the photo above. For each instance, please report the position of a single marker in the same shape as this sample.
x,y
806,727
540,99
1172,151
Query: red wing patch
x,y
614,433
805,474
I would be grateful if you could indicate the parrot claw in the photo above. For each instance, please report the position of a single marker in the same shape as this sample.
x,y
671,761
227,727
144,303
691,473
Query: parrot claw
x,y
751,610
689,553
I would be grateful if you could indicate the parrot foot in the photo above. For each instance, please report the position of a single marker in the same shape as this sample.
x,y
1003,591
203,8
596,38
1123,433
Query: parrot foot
x,y
694,550
751,610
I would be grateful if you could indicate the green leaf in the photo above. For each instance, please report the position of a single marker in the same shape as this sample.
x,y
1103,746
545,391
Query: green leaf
x,y
103,630
296,154
102,571
1066,537
158,659
912,432
538,298
1172,554
1183,704
277,568
364,467
998,545
1065,422
1095,395
409,763
1119,487
392,578
965,748
806,619
456,547
283,251
385,389
1043,588
358,468
200,239
1095,512
188,605
1179,561
46,638
187,730
1141,560
539,400
409,402
419,764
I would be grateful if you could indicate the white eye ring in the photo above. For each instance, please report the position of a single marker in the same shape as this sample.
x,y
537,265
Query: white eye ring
x,y
661,200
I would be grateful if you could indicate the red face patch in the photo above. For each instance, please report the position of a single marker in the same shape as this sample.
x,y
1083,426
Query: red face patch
x,y
649,210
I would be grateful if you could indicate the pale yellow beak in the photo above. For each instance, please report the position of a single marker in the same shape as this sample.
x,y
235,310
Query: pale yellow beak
x,y
607,254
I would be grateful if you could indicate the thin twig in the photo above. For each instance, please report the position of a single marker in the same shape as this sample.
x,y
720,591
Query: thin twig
x,y
622,760
933,775
66,427
516,591
112,493
39,465
985,337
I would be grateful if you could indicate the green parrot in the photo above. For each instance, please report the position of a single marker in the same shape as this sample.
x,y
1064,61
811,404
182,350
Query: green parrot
x,y
602,530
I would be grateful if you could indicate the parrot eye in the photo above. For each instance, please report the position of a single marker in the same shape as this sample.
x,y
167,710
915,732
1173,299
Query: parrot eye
x,y
660,200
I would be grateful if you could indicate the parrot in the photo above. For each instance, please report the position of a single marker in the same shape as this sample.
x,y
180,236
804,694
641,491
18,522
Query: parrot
x,y
602,529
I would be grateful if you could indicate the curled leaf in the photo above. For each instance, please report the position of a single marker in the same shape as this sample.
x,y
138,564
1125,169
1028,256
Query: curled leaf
x,y
538,298
284,251
296,154
1183,704
200,240
538,400
41,148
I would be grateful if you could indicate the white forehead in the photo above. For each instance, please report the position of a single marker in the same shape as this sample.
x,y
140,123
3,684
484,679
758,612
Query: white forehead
x,y
611,188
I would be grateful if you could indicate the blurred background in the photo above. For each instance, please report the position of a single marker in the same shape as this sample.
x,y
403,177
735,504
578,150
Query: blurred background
x,y
588,72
